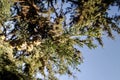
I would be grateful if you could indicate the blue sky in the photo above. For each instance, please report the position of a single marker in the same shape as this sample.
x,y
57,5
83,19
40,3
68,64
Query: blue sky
x,y
102,63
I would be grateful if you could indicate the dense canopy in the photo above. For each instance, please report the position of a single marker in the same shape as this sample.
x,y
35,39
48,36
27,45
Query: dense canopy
x,y
39,36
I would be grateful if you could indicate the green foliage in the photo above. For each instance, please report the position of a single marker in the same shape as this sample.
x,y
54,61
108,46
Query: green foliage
x,y
4,10
39,36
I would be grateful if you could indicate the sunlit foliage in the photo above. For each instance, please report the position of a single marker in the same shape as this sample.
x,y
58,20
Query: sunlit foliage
x,y
39,36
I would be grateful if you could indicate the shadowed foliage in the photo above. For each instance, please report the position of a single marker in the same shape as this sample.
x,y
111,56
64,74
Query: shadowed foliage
x,y
39,36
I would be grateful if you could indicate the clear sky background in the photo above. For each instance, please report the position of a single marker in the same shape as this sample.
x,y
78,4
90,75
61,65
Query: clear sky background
x,y
102,63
